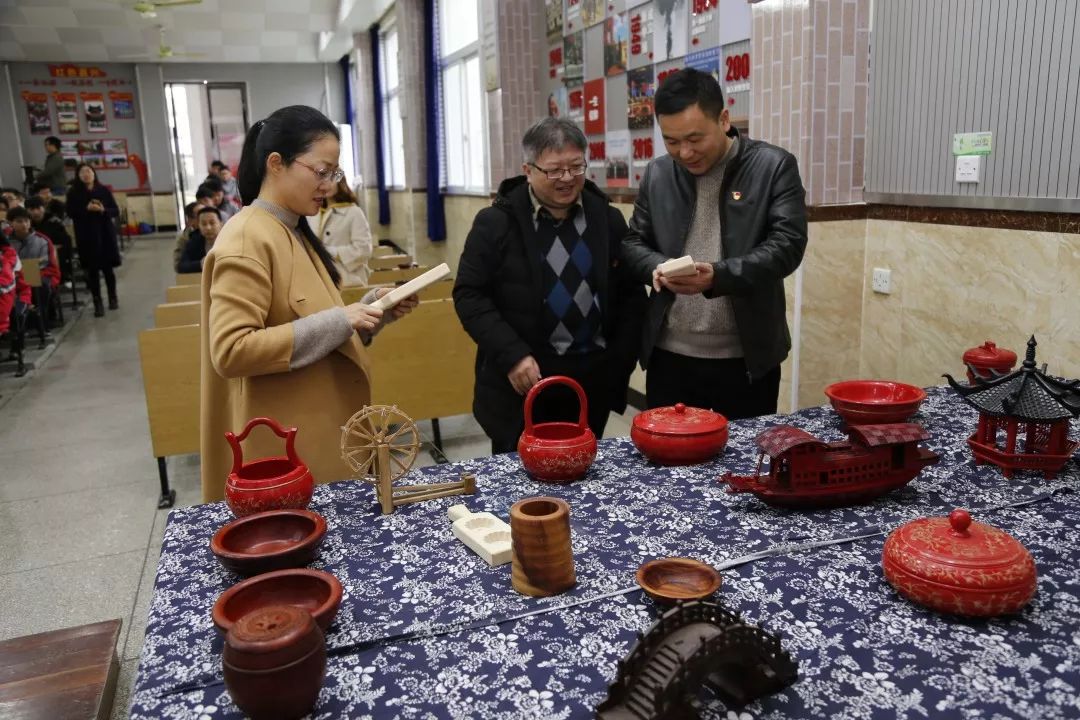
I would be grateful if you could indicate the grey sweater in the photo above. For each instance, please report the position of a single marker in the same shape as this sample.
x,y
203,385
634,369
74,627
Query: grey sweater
x,y
695,325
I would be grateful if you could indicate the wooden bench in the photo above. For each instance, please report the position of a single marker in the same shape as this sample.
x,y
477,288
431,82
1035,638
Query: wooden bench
x,y
441,290
183,293
189,278
389,277
172,314
170,369
389,262
65,674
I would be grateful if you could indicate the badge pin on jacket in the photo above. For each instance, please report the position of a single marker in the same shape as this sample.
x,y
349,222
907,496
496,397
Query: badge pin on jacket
x,y
736,195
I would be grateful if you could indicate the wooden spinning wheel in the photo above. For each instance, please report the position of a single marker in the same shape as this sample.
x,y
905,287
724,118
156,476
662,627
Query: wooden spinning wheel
x,y
380,444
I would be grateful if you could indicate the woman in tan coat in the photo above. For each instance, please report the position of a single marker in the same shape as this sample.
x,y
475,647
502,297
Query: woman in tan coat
x,y
276,338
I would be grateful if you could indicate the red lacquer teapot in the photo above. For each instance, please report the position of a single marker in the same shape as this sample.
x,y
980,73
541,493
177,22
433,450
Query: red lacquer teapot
x,y
271,483
557,452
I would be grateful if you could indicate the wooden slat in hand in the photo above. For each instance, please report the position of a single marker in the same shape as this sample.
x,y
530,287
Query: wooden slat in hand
x,y
441,290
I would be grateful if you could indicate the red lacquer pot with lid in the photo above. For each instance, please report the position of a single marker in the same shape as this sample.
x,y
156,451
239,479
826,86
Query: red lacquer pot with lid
x,y
988,360
679,435
955,565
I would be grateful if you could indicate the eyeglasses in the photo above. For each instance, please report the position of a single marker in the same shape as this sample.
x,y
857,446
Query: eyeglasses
x,y
557,173
326,174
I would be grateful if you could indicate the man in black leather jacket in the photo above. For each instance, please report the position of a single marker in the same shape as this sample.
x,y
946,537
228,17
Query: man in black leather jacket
x,y
715,338
541,290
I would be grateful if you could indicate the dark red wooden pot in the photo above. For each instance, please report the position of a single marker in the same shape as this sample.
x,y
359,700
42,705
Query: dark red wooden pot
x,y
557,452
273,540
679,435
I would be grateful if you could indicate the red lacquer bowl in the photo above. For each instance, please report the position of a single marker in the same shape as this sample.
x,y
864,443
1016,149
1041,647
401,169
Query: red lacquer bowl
x,y
874,402
679,435
269,541
316,591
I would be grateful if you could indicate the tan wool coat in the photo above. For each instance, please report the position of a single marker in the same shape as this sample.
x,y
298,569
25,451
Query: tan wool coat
x,y
255,282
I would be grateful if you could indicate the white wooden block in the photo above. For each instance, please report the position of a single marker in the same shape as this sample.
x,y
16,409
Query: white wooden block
x,y
485,534
678,267
412,287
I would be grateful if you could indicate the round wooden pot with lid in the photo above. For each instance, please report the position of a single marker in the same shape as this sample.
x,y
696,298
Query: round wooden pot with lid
x,y
987,359
955,565
274,662
679,435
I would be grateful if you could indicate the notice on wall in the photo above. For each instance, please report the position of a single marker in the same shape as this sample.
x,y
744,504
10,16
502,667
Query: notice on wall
x,y
641,35
575,101
616,37
617,162
592,11
976,143
554,13
705,61
558,103
735,68
594,107
94,112
671,25
640,89
574,56
489,42
67,113
37,111
572,18
123,104
107,154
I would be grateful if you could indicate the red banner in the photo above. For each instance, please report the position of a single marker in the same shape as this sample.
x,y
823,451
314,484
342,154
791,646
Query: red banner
x,y
94,111
69,70
594,107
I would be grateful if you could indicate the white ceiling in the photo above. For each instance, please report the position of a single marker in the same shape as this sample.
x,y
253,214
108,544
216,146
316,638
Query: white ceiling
x,y
215,30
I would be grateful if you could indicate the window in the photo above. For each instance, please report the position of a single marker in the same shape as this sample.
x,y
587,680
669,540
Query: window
x,y
393,142
463,98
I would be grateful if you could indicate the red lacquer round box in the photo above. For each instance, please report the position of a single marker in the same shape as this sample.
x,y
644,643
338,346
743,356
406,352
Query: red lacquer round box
x,y
954,565
679,435
987,360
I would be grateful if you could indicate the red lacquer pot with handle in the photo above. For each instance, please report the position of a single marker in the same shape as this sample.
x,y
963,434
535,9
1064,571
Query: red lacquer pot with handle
x,y
271,483
988,361
955,565
679,435
557,452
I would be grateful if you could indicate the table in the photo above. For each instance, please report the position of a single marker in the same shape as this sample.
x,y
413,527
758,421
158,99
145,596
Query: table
x,y
862,651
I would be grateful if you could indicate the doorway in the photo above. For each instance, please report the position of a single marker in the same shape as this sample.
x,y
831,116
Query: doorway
x,y
207,121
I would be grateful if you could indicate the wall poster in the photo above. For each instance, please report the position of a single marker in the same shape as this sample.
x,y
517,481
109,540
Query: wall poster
x,y
640,88
94,110
67,113
123,104
574,56
554,13
592,11
705,61
671,24
616,36
617,165
594,107
37,111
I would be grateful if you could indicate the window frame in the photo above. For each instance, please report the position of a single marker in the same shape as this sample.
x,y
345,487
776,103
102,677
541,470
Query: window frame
x,y
387,146
460,58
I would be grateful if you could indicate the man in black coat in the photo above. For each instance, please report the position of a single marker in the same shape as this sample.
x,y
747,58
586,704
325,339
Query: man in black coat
x,y
715,338
541,290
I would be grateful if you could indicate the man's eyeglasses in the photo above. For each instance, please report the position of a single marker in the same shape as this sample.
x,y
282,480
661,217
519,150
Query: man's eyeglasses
x,y
326,174
557,173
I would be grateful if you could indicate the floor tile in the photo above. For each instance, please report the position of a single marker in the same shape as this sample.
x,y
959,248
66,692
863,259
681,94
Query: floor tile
x,y
124,683
75,593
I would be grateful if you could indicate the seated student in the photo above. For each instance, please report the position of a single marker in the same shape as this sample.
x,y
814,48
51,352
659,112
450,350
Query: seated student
x,y
42,191
47,223
3,209
217,198
221,171
15,294
191,211
209,224
33,245
15,198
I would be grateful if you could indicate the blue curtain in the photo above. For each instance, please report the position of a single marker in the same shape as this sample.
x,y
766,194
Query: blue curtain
x,y
436,215
346,76
376,84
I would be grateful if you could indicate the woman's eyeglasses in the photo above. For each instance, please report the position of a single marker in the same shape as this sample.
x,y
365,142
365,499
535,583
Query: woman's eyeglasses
x,y
326,174
557,173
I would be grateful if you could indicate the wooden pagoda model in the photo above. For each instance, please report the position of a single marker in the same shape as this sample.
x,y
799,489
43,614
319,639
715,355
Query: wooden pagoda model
x,y
1023,418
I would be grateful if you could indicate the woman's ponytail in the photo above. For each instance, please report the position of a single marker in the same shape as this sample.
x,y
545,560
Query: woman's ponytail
x,y
249,175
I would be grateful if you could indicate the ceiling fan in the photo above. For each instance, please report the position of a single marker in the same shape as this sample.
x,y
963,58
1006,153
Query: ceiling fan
x,y
148,8
164,51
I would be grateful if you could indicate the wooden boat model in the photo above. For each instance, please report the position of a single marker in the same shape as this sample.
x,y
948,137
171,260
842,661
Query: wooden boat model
x,y
807,472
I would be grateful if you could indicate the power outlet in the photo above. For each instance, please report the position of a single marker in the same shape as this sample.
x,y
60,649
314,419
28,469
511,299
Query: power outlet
x,y
882,281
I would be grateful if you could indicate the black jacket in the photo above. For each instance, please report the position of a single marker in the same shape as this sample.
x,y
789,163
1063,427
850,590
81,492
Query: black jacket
x,y
95,232
53,228
498,295
763,230
194,252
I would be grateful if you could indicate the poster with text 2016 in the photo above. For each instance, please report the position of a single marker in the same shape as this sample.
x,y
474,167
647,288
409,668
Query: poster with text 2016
x,y
94,112
594,107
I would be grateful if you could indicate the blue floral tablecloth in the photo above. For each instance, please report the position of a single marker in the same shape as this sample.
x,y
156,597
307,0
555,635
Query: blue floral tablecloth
x,y
862,651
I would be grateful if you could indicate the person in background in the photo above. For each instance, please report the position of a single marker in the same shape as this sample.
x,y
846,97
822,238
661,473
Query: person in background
x,y
201,240
48,220
42,191
216,198
32,245
93,211
14,198
344,230
542,292
715,339
52,174
15,294
3,209
276,338
222,172
191,215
